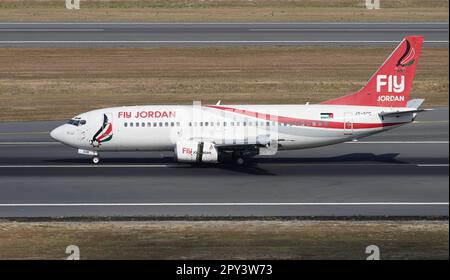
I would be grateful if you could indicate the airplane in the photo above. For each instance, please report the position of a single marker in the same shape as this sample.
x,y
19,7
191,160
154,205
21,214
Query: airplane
x,y
216,133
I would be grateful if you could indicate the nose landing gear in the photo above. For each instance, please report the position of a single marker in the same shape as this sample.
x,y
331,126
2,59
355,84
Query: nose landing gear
x,y
94,154
95,160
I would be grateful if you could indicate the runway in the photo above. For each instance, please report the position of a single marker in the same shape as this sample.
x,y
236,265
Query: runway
x,y
216,34
400,173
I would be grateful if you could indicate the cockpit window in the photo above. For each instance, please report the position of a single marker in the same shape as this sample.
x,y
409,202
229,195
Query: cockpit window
x,y
76,122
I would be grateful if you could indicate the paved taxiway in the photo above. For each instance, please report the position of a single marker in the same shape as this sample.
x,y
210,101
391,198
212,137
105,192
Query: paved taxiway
x,y
203,34
400,173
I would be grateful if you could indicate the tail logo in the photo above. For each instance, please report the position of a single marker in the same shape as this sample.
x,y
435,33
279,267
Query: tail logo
x,y
407,58
104,134
393,83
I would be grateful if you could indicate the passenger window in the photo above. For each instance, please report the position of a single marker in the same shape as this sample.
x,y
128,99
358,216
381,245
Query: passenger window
x,y
178,123
143,124
149,124
218,123
125,124
155,124
166,124
160,124
206,123
224,123
131,124
172,124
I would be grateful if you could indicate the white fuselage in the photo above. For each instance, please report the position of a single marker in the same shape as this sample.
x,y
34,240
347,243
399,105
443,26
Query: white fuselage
x,y
160,127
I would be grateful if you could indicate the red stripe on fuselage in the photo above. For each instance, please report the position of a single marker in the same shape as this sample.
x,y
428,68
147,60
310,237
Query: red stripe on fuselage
x,y
281,119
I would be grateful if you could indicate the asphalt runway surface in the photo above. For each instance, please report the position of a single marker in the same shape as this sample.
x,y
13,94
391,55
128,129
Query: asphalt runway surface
x,y
216,34
403,172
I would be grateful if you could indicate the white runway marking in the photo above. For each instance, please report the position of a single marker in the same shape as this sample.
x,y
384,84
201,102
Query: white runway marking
x,y
345,30
51,29
226,204
427,122
29,143
25,133
432,165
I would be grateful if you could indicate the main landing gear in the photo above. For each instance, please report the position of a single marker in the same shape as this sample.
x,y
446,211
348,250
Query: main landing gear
x,y
240,161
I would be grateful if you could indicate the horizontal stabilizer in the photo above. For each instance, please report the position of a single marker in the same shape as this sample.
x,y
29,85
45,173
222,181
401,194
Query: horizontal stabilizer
x,y
414,103
398,113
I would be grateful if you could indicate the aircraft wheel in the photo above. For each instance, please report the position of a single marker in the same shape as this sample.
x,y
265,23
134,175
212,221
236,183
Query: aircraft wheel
x,y
95,160
239,161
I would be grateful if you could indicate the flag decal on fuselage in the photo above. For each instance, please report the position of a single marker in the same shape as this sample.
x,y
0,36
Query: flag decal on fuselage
x,y
326,116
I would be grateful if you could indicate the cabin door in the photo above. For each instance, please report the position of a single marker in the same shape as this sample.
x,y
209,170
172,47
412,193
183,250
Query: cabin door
x,y
348,123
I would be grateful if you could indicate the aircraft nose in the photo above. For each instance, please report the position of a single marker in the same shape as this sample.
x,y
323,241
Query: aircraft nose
x,y
57,133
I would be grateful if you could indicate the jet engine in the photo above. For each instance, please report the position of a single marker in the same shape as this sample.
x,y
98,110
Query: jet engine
x,y
196,151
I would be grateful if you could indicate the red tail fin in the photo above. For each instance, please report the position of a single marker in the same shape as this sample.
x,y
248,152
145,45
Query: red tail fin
x,y
390,85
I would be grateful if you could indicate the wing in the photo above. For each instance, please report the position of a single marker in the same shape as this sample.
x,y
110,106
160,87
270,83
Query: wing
x,y
261,144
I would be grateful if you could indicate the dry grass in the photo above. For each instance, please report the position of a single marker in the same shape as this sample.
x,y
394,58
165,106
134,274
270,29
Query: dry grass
x,y
40,84
224,10
224,240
